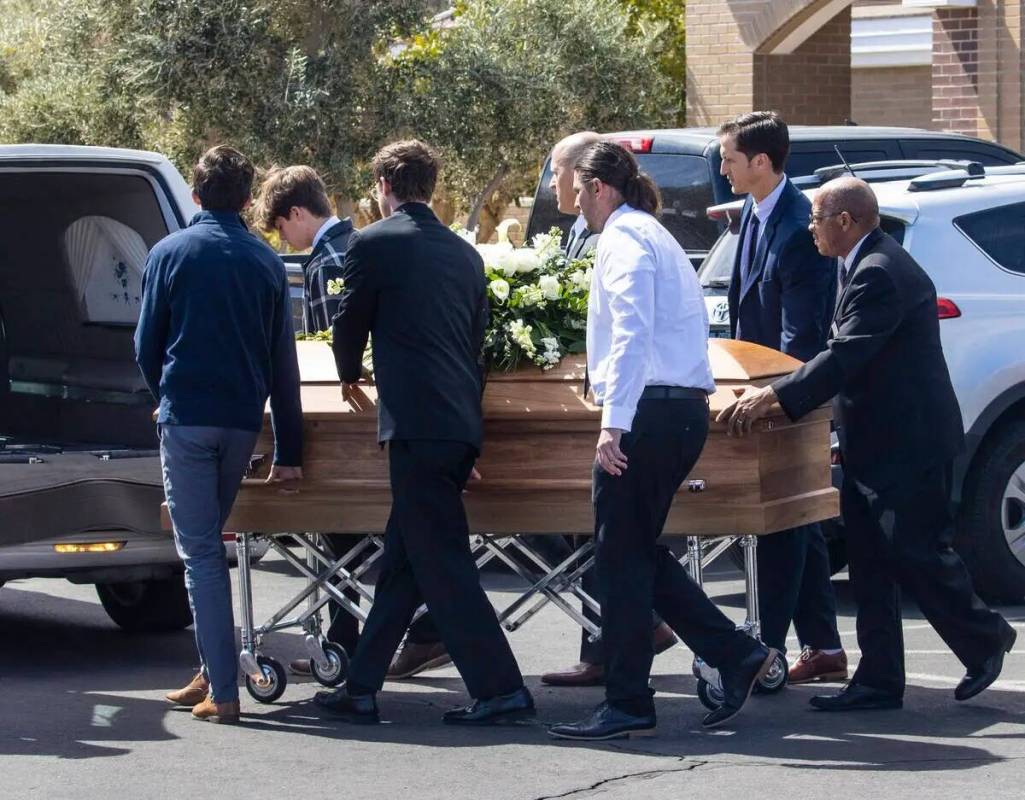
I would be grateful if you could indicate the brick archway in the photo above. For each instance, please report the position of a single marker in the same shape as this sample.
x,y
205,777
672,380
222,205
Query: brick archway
x,y
789,55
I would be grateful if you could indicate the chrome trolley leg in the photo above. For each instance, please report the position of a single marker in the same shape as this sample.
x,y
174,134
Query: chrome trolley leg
x,y
247,658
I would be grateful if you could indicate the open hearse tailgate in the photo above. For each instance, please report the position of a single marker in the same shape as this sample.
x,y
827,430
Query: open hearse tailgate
x,y
46,495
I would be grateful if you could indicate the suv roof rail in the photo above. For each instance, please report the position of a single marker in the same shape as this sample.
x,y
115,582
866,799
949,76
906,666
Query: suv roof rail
x,y
838,170
947,180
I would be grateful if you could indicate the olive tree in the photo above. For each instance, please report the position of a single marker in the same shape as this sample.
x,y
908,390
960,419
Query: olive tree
x,y
496,88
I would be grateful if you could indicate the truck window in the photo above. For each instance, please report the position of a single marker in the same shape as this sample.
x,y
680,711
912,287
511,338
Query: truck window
x,y
685,183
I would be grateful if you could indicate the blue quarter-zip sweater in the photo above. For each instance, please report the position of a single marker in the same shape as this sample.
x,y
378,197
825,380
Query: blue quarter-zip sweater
x,y
215,338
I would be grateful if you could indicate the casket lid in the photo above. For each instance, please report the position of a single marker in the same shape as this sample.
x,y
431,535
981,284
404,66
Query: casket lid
x,y
553,394
730,360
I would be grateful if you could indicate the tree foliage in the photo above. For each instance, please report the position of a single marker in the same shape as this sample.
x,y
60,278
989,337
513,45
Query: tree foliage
x,y
496,89
326,82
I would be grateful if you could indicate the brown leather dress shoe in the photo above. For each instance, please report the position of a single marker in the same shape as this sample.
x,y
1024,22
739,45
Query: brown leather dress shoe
x,y
583,674
814,665
223,713
301,666
413,658
190,695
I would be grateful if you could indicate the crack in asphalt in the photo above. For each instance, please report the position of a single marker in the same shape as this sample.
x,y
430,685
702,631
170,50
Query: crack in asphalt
x,y
629,776
713,764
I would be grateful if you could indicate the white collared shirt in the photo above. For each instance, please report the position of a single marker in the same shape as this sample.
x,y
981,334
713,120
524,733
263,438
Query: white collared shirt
x,y
763,211
332,220
646,319
847,263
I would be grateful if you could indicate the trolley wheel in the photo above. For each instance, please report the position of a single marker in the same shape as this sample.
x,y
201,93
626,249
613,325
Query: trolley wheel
x,y
338,669
710,696
776,678
276,679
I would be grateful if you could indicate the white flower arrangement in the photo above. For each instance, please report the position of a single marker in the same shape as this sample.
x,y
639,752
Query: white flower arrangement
x,y
538,302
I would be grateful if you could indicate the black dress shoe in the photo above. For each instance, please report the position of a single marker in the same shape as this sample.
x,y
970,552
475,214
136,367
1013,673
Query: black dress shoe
x,y
855,697
499,710
605,723
738,680
359,709
979,679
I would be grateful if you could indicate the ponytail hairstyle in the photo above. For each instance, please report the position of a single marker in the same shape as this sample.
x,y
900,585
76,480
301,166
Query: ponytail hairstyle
x,y
615,166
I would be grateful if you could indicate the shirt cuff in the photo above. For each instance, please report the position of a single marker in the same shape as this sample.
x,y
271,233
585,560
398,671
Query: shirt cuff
x,y
617,417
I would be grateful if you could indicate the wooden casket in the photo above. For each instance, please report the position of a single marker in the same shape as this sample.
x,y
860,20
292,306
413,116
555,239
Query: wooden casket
x,y
539,439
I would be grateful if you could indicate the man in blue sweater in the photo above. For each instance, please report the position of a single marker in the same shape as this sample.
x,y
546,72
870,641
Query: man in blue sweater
x,y
214,340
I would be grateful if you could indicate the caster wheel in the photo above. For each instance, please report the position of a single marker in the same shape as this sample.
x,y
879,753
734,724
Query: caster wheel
x,y
338,668
776,678
276,680
710,696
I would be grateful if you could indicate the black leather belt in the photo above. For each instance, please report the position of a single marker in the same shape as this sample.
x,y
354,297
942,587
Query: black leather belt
x,y
673,393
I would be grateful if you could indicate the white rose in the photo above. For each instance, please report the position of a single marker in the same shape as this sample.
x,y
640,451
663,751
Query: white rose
x,y
525,259
549,286
500,289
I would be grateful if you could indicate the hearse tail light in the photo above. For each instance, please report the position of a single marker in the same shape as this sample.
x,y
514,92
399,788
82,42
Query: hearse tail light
x,y
947,309
89,547
636,144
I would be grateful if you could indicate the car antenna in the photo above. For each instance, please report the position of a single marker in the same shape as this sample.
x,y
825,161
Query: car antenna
x,y
844,160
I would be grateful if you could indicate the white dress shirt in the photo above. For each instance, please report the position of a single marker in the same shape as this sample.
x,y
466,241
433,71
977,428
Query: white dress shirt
x,y
332,220
846,264
763,211
646,318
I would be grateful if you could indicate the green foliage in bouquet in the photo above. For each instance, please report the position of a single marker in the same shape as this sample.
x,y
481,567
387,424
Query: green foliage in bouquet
x,y
538,303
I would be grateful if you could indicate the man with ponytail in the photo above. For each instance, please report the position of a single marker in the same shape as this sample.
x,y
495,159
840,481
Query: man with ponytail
x,y
647,357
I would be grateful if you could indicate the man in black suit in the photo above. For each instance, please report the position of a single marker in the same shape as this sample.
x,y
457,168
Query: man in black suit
x,y
782,296
419,289
900,427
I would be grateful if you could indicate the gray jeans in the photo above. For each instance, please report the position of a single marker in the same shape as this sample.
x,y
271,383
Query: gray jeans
x,y
202,470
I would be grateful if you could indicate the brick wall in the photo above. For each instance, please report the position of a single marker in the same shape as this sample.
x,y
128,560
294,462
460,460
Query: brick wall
x,y
892,96
812,85
955,70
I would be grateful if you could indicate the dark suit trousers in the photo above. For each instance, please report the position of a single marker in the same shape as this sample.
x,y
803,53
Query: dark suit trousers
x,y
427,560
794,585
344,627
900,538
638,575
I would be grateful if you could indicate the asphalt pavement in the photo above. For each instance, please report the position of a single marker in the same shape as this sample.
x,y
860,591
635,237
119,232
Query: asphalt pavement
x,y
82,715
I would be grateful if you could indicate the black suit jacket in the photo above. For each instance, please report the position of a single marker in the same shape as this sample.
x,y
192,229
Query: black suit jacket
x,y
788,298
419,291
894,407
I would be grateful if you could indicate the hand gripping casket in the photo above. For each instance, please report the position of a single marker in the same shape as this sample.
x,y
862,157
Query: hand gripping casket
x,y
539,439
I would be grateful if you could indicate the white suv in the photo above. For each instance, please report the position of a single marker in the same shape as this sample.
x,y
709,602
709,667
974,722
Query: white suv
x,y
967,229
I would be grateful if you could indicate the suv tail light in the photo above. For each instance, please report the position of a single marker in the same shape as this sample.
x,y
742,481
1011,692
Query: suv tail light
x,y
947,309
636,144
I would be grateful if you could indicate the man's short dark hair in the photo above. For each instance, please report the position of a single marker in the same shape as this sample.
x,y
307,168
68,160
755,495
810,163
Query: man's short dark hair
x,y
410,166
760,132
223,179
285,188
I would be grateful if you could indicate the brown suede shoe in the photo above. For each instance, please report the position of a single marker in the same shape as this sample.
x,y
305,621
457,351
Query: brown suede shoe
x,y
583,674
190,695
814,665
413,658
663,638
223,713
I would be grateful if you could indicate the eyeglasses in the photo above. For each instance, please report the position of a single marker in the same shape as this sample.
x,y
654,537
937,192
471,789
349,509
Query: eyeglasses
x,y
817,219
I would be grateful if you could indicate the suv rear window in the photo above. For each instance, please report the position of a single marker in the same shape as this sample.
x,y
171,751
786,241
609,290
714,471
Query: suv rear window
x,y
999,232
685,183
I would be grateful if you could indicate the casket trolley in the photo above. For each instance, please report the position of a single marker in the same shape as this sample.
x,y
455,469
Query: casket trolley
x,y
539,440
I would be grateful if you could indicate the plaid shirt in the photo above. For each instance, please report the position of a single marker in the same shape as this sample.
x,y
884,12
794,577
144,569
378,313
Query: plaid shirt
x,y
323,265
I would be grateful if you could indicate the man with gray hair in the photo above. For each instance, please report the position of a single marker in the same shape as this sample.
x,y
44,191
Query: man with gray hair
x,y
900,428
